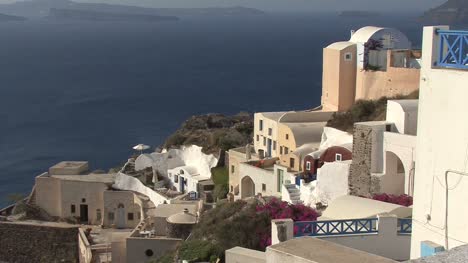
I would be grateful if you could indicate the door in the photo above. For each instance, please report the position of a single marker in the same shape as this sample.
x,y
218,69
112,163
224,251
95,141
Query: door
x,y
120,222
280,179
269,147
182,184
84,213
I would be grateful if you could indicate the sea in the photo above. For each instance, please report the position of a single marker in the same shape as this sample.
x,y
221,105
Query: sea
x,y
78,90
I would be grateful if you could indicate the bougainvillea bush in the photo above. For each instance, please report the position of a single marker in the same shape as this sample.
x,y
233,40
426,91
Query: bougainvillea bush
x,y
244,224
276,209
403,200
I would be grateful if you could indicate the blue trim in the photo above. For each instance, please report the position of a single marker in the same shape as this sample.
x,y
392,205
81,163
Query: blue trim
x,y
453,49
405,226
335,227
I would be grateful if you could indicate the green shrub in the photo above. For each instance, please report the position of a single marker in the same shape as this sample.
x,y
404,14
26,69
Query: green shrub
x,y
221,191
364,110
199,250
220,175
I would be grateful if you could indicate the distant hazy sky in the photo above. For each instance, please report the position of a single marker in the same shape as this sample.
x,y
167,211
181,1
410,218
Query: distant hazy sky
x,y
288,5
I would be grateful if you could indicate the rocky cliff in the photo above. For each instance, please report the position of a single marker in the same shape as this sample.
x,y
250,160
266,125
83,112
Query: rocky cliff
x,y
214,132
452,12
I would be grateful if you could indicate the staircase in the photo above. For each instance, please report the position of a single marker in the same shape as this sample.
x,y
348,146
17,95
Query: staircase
x,y
294,194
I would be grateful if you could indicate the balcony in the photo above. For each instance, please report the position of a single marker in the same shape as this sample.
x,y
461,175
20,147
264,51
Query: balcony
x,y
453,49
347,227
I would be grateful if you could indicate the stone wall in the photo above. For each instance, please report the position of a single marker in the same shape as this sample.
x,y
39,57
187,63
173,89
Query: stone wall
x,y
22,242
360,181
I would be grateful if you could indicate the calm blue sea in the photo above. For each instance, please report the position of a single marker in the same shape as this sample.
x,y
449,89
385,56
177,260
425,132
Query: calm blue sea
x,y
90,91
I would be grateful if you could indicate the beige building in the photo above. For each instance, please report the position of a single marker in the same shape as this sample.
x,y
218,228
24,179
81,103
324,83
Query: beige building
x,y
86,198
375,62
237,156
285,137
266,133
278,133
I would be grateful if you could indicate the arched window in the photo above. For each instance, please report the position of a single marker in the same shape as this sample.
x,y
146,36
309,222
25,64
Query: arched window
x,y
120,205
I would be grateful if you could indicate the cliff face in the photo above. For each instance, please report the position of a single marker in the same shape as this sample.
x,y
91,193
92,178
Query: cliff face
x,y
214,132
453,12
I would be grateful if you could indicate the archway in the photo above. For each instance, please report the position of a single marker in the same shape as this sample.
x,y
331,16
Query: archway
x,y
247,187
394,179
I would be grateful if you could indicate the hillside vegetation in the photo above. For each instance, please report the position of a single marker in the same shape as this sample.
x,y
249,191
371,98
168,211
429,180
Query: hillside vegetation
x,y
364,110
214,132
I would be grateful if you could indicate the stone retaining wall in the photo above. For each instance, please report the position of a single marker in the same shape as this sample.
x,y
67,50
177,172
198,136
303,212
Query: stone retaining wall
x,y
361,183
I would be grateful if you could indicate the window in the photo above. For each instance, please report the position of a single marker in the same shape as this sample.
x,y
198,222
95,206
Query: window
x,y
260,126
72,209
264,141
291,162
130,216
274,145
181,171
149,253
281,149
388,128
232,168
139,215
308,166
270,131
286,150
232,188
348,56
338,157
98,214
287,136
258,138
263,187
110,215
176,178
83,200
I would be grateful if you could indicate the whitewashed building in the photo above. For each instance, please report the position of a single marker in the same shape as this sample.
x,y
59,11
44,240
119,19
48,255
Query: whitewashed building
x,y
441,185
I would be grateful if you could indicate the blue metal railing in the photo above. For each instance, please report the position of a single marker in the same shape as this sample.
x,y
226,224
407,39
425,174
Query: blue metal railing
x,y
335,227
405,225
453,49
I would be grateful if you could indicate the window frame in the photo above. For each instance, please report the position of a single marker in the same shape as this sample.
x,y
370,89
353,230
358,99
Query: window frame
x,y
340,157
130,216
350,56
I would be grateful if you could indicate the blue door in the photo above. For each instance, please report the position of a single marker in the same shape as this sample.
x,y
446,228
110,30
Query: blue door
x,y
182,184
